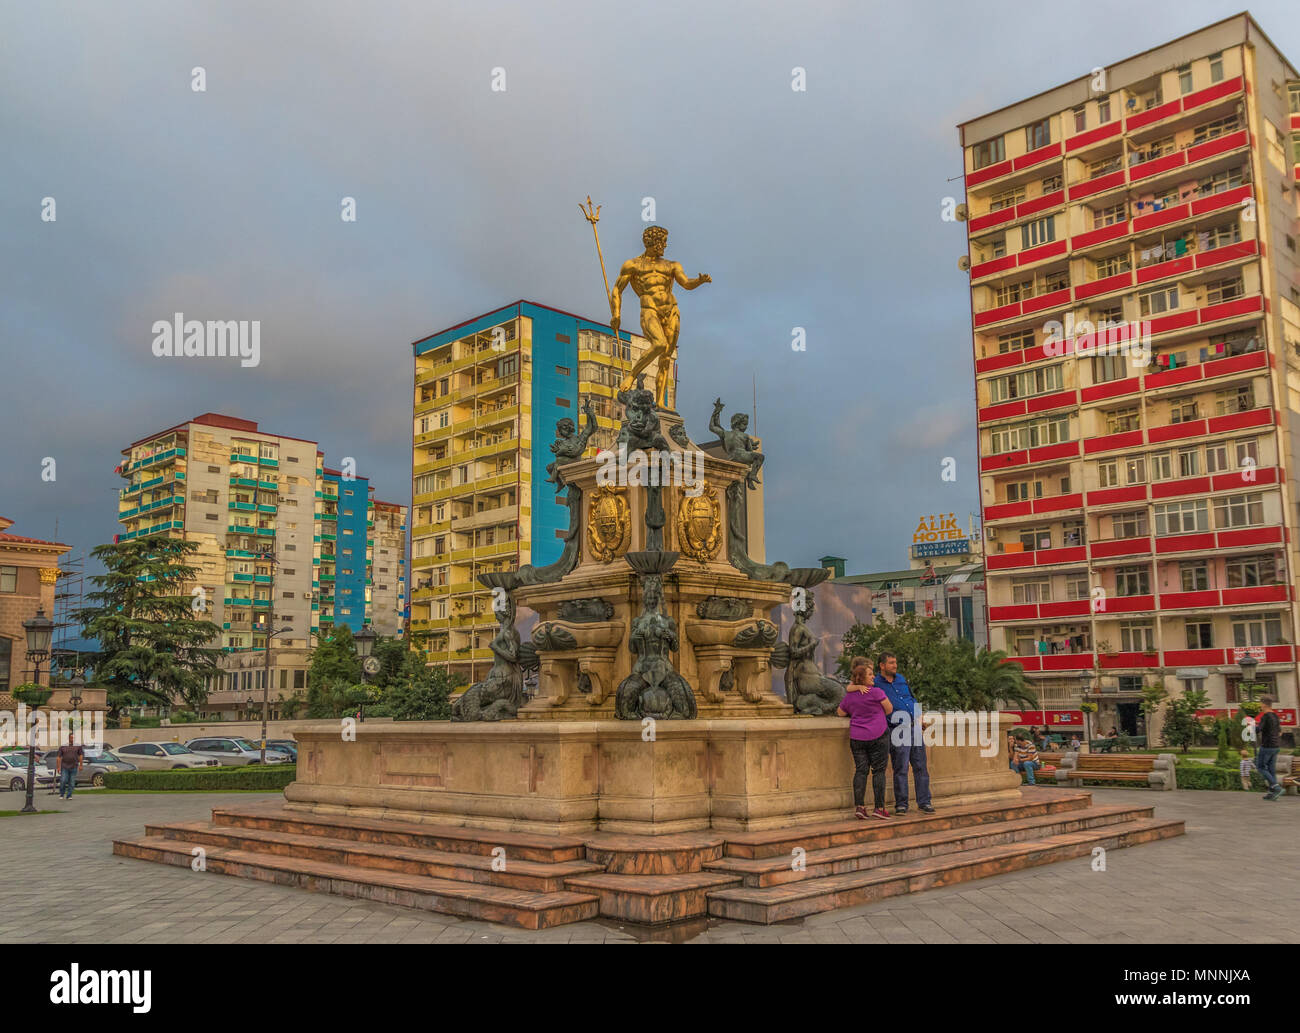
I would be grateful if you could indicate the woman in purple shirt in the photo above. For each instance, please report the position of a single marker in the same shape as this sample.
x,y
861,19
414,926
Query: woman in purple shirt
x,y
868,709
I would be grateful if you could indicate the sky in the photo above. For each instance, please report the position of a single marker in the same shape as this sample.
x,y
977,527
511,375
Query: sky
x,y
816,208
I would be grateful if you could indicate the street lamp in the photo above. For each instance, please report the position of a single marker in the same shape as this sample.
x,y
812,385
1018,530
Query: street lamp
x,y
1085,683
39,631
74,691
248,705
365,643
266,683
1248,664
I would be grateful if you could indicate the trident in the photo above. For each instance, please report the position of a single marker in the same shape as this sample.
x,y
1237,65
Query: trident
x,y
592,214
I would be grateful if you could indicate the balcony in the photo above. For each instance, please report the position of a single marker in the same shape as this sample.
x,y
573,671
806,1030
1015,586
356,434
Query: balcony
x,y
1072,555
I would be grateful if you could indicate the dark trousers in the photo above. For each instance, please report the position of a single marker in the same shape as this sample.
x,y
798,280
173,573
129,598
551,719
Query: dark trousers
x,y
1266,762
910,754
869,754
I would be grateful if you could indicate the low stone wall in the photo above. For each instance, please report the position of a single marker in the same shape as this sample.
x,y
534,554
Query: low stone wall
x,y
571,777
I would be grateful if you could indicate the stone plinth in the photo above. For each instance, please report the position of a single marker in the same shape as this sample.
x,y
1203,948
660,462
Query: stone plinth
x,y
575,777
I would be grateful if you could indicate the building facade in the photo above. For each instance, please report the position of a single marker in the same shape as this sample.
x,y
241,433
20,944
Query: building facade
x,y
1132,251
487,395
29,570
240,492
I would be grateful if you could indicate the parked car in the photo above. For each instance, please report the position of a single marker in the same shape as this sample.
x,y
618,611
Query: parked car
x,y
235,752
13,772
286,746
164,755
97,764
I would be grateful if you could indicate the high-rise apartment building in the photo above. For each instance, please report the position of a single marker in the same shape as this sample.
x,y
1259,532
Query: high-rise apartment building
x,y
240,492
1134,290
362,568
488,393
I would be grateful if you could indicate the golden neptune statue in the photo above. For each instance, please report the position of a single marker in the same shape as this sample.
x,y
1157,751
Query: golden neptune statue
x,y
651,277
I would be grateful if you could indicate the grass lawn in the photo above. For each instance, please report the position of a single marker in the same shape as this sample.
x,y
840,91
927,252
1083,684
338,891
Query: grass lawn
x,y
17,814
169,792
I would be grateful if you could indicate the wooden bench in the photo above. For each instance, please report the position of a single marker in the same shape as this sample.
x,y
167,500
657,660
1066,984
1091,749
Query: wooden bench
x,y
1130,767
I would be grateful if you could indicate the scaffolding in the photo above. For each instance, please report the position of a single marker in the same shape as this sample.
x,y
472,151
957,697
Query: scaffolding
x,y
66,654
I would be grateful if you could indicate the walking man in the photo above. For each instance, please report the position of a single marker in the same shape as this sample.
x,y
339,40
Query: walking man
x,y
1269,729
906,749
69,761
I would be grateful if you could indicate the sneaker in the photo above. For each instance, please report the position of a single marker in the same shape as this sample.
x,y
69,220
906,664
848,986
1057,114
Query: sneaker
x,y
1273,794
862,813
927,808
880,812
901,810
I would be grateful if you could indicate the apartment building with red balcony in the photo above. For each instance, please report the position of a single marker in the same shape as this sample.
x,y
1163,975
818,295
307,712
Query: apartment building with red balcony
x,y
1135,283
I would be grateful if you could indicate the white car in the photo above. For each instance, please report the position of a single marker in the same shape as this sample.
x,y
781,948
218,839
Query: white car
x,y
13,771
235,752
164,755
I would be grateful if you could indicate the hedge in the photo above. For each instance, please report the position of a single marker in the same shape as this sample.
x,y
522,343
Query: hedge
x,y
1208,776
253,776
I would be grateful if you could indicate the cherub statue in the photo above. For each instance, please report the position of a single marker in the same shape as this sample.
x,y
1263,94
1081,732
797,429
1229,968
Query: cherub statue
x,y
806,688
653,689
568,447
739,446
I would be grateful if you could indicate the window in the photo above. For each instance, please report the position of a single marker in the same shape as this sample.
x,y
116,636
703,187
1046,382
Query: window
x,y
1135,470
1216,69
1038,135
1216,458
1050,431
1219,182
1033,538
1109,216
1133,581
1015,342
1103,110
1251,571
997,248
1136,637
1080,119
1189,462
8,579
1238,511
1223,290
1023,491
6,657
1031,590
1006,199
1026,384
1154,302
1129,525
1104,166
1195,575
1077,588
1200,634
1051,184
1238,399
1182,410
1106,368
1108,473
1265,630
1120,421
1161,466
1185,79
989,152
1040,231
1182,517
1111,266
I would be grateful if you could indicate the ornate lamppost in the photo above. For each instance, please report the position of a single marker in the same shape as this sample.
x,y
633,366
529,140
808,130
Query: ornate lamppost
x,y
39,631
365,642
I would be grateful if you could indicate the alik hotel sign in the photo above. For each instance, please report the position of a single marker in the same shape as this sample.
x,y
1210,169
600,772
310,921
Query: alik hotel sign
x,y
939,536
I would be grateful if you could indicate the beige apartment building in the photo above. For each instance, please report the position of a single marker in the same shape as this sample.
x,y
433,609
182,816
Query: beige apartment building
x,y
1134,288
243,494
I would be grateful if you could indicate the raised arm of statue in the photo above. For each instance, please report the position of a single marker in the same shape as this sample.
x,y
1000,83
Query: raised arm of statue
x,y
715,424
590,427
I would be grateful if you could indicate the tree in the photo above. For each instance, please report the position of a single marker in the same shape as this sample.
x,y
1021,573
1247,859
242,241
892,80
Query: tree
x,y
152,644
421,692
1182,727
334,660
334,697
392,654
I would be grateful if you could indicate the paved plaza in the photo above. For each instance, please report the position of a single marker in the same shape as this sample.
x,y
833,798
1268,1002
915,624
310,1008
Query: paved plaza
x,y
1230,879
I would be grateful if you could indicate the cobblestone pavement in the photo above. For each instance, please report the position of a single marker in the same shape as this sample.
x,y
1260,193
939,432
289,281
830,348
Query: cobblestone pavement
x,y
1231,879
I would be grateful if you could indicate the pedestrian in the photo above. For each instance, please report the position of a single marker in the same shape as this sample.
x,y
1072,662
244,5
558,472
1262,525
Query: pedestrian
x,y
1074,743
868,709
1026,756
69,760
906,748
1247,765
1269,730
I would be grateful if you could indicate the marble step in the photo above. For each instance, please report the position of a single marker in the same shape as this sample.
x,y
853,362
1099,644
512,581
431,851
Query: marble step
x,y
674,854
919,842
768,904
652,899
526,846
779,842
514,907
535,876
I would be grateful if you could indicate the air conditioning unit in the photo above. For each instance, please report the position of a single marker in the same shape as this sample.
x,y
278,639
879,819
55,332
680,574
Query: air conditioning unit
x,y
990,533
963,263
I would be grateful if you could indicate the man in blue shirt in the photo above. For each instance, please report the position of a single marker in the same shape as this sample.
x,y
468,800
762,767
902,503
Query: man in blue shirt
x,y
905,746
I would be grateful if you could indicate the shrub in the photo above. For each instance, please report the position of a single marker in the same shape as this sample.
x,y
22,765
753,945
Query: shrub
x,y
253,776
1215,776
